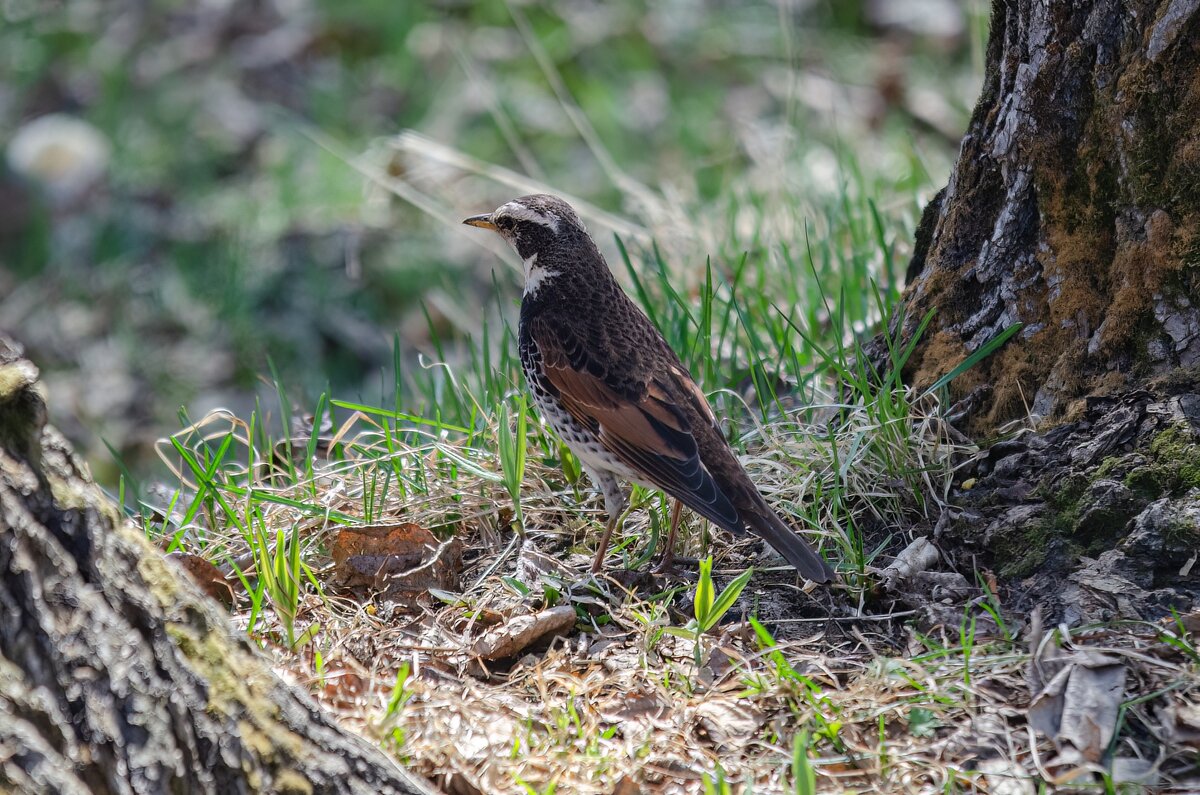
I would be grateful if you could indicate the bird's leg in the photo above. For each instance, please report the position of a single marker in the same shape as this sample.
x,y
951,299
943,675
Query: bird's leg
x,y
667,561
614,504
602,547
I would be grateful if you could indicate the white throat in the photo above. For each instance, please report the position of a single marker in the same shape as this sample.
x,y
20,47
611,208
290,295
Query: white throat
x,y
535,275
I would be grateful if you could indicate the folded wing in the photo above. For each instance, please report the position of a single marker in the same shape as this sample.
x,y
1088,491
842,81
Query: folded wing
x,y
640,426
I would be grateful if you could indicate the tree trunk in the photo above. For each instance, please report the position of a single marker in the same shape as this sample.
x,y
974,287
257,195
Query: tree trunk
x,y
1074,209
116,674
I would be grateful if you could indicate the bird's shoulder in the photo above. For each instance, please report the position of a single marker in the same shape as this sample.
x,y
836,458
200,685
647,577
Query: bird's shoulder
x,y
611,366
616,344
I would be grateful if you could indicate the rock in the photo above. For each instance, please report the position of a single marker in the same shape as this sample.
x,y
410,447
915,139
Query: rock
x,y
1187,407
1010,467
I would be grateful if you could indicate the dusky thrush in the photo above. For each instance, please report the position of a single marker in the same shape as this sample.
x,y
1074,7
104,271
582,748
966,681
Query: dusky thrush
x,y
609,384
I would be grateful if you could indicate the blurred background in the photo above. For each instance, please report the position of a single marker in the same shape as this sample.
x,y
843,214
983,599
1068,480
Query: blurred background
x,y
197,195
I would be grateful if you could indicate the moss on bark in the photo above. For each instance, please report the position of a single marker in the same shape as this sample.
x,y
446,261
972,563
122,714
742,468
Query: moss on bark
x,y
1074,209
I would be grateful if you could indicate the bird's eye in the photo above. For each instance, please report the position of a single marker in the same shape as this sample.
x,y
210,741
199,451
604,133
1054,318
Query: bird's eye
x,y
504,222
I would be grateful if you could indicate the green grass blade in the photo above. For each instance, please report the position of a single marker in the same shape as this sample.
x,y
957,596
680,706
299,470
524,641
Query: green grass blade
x,y
729,595
985,350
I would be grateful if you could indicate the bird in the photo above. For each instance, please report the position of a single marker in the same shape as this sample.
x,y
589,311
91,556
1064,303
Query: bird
x,y
603,377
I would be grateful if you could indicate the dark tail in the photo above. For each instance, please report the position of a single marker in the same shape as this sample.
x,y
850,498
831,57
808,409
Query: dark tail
x,y
767,525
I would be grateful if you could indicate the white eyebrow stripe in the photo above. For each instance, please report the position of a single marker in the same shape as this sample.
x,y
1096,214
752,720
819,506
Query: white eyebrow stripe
x,y
523,213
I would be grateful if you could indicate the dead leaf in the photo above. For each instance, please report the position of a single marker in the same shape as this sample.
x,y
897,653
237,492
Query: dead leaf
x,y
206,575
395,558
1131,770
533,564
993,584
717,665
643,708
727,723
521,632
1181,724
1079,706
1076,697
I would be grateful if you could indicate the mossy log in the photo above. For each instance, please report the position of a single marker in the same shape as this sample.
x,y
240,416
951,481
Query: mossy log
x,y
116,674
1074,208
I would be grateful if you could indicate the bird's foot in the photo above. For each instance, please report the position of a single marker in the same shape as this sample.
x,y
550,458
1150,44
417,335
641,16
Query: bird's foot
x,y
669,565
633,579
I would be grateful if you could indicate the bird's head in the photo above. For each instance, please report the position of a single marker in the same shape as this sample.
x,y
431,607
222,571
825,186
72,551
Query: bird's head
x,y
546,234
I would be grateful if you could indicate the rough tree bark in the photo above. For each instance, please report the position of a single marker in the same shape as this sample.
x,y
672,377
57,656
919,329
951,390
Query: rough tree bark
x,y
116,674
1074,209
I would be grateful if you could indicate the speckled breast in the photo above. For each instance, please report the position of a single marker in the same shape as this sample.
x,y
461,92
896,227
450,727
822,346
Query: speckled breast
x,y
582,442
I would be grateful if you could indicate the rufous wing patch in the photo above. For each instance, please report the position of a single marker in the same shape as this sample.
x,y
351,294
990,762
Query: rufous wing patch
x,y
699,400
646,433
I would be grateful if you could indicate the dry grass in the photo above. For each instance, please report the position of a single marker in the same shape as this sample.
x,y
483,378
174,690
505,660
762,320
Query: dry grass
x,y
618,705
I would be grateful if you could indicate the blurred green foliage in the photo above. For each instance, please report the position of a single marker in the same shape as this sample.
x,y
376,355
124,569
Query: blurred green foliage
x,y
221,235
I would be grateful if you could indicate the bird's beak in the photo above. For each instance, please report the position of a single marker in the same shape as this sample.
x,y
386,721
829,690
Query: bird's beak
x,y
482,221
